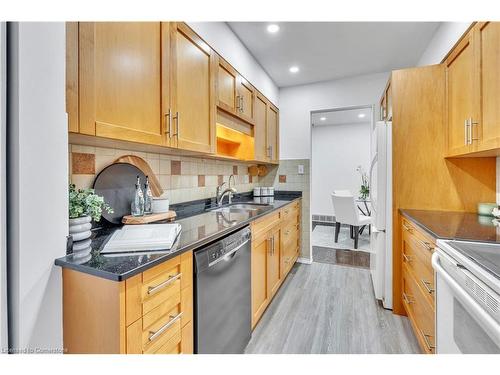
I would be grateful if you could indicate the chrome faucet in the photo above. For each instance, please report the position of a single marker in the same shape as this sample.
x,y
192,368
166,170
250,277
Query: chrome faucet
x,y
229,192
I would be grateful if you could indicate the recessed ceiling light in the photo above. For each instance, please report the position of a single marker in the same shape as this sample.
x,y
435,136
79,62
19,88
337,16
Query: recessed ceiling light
x,y
361,115
322,118
273,28
294,69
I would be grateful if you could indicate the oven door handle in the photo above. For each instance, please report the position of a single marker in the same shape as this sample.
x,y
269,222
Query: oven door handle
x,y
490,324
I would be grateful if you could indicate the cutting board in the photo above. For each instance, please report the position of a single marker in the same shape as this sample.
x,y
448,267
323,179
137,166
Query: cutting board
x,y
129,219
143,165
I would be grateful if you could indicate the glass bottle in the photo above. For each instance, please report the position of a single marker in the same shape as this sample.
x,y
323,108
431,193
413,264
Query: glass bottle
x,y
137,207
148,198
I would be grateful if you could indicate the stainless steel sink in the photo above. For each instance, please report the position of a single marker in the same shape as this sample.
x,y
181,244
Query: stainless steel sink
x,y
242,208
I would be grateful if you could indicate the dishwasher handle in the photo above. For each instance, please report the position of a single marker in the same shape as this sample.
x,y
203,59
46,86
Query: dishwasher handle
x,y
228,255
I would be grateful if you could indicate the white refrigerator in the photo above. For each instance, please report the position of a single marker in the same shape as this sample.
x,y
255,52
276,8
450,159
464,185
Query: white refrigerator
x,y
381,202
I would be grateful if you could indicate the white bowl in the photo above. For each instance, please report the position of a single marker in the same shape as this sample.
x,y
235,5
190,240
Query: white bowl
x,y
160,205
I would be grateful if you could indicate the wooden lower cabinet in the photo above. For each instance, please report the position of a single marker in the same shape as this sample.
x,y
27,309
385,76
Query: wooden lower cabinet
x,y
275,248
149,313
418,283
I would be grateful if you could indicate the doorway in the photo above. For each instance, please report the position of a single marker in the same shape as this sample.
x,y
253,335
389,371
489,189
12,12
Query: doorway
x,y
340,161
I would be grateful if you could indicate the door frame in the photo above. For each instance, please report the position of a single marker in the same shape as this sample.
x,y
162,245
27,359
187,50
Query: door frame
x,y
372,107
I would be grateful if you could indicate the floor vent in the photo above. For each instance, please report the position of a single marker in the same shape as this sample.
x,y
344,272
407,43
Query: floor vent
x,y
323,218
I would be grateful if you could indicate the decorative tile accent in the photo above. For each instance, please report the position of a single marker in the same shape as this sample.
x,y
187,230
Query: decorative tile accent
x,y
82,163
235,169
175,167
201,180
282,178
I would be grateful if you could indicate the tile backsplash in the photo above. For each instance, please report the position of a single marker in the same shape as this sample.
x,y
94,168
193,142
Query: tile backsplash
x,y
182,178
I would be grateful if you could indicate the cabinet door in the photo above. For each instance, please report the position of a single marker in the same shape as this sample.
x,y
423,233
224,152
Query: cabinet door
x,y
226,86
273,263
272,133
120,81
260,296
260,128
487,38
460,96
192,90
246,97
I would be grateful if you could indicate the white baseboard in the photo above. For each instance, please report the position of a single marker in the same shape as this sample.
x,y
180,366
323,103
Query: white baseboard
x,y
304,260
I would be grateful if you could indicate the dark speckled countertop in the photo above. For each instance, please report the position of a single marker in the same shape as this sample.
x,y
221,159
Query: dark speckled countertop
x,y
198,229
449,225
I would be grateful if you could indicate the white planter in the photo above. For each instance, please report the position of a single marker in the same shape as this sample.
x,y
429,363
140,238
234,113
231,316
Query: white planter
x,y
79,228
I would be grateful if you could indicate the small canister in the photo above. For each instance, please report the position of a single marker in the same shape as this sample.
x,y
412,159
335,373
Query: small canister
x,y
271,191
264,191
257,191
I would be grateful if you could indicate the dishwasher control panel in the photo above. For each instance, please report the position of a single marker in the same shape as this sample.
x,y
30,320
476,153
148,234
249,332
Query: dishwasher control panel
x,y
226,246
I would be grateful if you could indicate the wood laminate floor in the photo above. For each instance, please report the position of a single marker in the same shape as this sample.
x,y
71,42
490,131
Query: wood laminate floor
x,y
325,308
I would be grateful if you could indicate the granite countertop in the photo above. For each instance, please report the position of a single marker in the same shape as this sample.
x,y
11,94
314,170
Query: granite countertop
x,y
199,227
450,225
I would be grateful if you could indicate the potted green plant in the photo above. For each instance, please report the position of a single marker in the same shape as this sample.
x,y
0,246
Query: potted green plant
x,y
364,190
84,205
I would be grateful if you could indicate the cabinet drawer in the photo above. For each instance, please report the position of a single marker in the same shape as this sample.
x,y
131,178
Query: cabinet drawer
x,y
172,346
150,333
159,286
419,310
290,211
290,233
263,225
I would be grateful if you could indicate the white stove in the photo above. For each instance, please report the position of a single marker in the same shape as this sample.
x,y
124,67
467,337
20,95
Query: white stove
x,y
467,297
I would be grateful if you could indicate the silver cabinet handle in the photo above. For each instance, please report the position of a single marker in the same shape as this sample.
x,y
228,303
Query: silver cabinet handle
x,y
242,103
153,335
406,299
427,286
427,341
471,124
408,228
177,118
466,133
168,119
270,242
170,280
406,258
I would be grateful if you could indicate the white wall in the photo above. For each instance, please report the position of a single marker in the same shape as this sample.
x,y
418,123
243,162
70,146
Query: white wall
x,y
3,201
337,150
441,43
221,38
297,102
38,175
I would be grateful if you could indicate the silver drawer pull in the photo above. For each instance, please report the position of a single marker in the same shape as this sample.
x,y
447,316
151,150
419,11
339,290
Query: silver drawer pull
x,y
153,335
427,286
170,280
406,299
427,341
408,228
406,258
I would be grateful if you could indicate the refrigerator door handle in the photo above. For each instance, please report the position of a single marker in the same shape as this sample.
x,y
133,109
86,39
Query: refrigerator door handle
x,y
373,200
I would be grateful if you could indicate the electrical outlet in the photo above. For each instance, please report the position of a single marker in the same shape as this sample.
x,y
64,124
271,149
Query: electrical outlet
x,y
301,169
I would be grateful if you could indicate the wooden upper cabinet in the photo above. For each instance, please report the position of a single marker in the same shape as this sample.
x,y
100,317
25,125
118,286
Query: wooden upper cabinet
x,y
246,97
487,39
120,93
227,79
192,83
260,128
461,96
272,133
72,76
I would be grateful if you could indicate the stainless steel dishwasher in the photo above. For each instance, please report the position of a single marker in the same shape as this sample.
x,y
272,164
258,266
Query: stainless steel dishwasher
x,y
222,295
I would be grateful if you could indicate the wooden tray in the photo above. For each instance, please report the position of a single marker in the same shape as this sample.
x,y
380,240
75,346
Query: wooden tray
x,y
146,219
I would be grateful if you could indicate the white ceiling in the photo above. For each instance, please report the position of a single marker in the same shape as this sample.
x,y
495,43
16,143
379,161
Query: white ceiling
x,y
332,50
342,117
